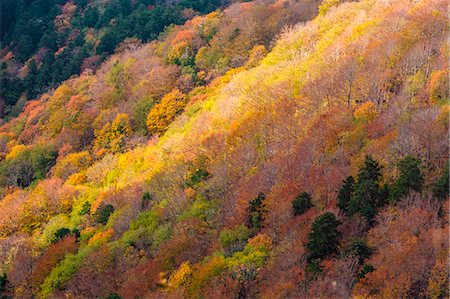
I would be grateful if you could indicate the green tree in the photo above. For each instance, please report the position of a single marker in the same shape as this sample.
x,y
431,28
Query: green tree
x,y
441,187
60,233
345,194
366,269
198,176
11,86
410,178
63,232
30,81
43,158
90,17
140,111
360,248
202,6
233,240
323,239
3,282
102,216
368,195
313,268
27,166
108,43
302,203
256,212
117,76
45,72
86,208
146,199
17,172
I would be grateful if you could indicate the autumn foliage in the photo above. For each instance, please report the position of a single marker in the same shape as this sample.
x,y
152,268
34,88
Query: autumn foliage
x,y
163,113
272,149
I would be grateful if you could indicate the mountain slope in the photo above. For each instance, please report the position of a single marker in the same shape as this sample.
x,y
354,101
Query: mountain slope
x,y
203,205
47,42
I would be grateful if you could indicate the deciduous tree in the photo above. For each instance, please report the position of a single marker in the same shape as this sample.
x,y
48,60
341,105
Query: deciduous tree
x,y
163,113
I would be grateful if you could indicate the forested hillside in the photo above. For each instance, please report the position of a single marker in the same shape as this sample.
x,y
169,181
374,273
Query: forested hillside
x,y
44,42
268,149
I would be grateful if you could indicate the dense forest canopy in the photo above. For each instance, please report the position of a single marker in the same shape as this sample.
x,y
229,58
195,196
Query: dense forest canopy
x,y
44,42
243,149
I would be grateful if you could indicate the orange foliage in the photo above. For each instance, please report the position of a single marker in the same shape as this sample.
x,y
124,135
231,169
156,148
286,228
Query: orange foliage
x,y
101,237
182,36
163,113
407,245
112,136
366,112
275,118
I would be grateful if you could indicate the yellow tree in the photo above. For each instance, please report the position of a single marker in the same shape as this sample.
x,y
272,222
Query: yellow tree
x,y
112,136
165,111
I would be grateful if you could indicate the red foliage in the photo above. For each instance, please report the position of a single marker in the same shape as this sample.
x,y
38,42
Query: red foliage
x,y
189,243
54,254
141,280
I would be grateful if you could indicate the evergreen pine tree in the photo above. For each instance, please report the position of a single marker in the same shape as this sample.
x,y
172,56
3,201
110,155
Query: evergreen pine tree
x,y
30,82
256,211
323,238
367,194
441,187
345,194
103,214
410,178
301,203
